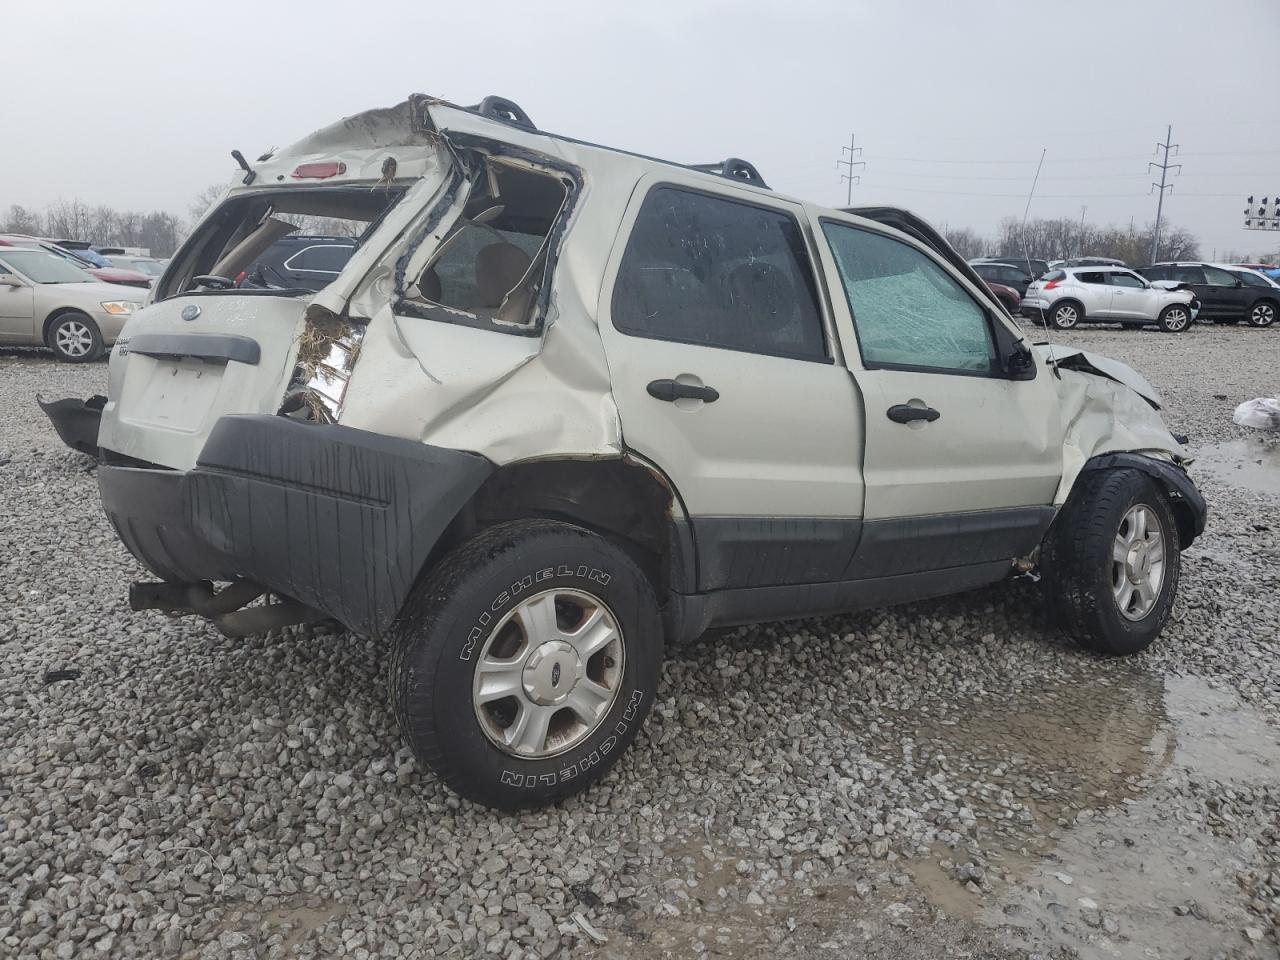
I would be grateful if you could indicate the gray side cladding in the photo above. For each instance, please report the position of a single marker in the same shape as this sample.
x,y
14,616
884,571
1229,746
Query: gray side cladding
x,y
340,519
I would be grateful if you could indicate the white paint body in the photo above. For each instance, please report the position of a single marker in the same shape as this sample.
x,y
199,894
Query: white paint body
x,y
787,438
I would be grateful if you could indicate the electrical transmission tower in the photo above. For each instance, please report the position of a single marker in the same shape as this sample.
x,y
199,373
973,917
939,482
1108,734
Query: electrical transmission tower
x,y
1164,166
850,177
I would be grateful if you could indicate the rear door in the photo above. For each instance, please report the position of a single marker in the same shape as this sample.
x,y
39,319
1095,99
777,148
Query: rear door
x,y
727,378
960,464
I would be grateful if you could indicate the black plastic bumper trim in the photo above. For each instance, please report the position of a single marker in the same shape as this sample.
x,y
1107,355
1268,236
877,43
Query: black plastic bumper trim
x,y
76,421
1189,504
339,519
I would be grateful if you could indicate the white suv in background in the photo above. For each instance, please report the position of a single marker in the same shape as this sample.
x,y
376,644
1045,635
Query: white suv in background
x,y
1070,296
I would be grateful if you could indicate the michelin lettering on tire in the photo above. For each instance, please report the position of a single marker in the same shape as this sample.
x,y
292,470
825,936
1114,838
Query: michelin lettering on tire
x,y
569,771
478,631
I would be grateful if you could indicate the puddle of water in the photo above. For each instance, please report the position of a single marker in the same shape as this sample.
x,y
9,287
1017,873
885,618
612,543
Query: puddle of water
x,y
1106,860
1251,463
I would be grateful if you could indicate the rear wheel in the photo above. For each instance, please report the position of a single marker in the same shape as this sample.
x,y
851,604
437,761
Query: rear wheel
x,y
75,338
1263,314
1174,318
525,662
1066,315
1111,563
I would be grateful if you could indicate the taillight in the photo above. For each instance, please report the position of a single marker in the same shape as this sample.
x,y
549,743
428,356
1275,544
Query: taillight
x,y
1052,284
240,277
319,171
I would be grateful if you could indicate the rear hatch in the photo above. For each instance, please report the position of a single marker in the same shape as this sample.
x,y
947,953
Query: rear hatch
x,y
189,360
199,352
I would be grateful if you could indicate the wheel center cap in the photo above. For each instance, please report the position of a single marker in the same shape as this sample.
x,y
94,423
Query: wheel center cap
x,y
1139,564
551,672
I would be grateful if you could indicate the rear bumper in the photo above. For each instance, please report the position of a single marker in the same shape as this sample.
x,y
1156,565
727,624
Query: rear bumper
x,y
341,520
76,421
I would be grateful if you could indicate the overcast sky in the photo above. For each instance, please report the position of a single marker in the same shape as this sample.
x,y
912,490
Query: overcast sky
x,y
136,103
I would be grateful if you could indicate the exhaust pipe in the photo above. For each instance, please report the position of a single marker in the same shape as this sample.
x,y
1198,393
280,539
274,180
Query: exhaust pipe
x,y
199,598
227,608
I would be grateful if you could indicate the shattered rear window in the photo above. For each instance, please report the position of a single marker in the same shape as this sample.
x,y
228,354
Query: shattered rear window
x,y
233,240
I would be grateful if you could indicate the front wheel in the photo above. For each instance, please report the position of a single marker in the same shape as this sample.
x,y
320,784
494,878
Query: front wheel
x,y
1174,318
75,338
525,662
1110,563
1263,314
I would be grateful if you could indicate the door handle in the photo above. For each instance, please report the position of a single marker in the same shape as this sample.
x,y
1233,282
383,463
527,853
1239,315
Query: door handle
x,y
906,413
673,390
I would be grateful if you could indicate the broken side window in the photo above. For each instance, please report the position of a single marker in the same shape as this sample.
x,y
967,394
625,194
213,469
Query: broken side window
x,y
493,264
907,311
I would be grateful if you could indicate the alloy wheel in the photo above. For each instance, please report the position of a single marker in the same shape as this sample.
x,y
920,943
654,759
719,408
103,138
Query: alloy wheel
x,y
1066,316
1177,319
1262,315
73,338
1138,562
548,673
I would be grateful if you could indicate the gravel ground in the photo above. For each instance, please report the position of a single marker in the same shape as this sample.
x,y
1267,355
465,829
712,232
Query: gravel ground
x,y
942,779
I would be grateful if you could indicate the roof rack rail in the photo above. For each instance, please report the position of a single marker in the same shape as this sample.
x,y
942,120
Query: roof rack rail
x,y
500,108
733,168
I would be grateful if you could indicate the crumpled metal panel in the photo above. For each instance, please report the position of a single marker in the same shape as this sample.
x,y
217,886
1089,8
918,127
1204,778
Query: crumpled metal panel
x,y
1104,416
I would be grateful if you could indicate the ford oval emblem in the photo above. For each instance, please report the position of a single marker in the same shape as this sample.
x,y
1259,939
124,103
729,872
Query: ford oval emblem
x,y
190,312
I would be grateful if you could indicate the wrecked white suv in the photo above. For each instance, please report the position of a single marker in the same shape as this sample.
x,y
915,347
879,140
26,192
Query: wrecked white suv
x,y
566,404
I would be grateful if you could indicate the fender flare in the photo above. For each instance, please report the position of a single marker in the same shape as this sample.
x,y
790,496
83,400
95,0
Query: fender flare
x,y
1189,507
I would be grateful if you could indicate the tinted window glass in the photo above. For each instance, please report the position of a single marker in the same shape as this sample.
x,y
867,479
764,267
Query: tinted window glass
x,y
1218,278
1054,275
906,309
720,273
1187,274
1091,277
328,258
1156,273
1253,280
1125,280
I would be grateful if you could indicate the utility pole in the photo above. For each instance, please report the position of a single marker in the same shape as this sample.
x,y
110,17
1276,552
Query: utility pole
x,y
1083,209
850,177
1164,167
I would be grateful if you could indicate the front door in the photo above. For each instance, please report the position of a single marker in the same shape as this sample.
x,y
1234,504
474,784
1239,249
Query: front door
x,y
960,464
1226,291
1096,294
1132,298
726,377
17,310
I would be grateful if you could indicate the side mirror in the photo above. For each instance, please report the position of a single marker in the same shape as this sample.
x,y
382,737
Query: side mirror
x,y
9,280
1020,363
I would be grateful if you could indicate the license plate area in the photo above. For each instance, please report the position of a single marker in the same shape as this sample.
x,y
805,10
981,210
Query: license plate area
x,y
175,395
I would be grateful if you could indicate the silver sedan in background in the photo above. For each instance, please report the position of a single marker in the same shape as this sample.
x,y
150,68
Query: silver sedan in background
x,y
48,301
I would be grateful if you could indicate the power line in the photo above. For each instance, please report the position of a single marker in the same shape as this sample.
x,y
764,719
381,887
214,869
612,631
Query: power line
x,y
1164,167
850,177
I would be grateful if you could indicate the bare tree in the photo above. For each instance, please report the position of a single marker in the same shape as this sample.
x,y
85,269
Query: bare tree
x,y
21,220
203,200
966,241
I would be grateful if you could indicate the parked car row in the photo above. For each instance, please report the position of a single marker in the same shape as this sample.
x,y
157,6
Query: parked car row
x,y
48,300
